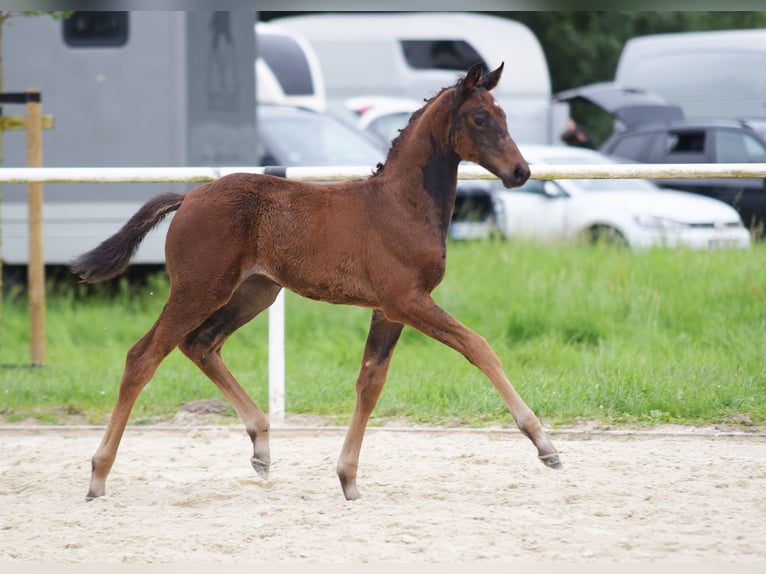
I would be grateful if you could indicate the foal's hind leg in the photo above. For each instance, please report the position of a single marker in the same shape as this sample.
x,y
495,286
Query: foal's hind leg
x,y
180,315
203,347
142,361
381,341
425,315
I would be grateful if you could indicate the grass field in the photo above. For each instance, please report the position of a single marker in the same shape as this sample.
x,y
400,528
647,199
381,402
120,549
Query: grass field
x,y
584,332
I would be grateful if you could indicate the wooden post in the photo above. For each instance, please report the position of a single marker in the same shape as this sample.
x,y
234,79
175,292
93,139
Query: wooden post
x,y
35,262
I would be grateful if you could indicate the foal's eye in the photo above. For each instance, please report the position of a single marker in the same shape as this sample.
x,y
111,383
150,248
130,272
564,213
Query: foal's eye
x,y
478,120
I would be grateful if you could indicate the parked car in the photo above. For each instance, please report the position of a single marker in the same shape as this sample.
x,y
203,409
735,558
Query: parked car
x,y
632,212
382,116
702,141
292,136
652,131
758,125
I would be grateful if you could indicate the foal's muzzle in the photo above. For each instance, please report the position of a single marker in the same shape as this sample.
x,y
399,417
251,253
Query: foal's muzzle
x,y
517,177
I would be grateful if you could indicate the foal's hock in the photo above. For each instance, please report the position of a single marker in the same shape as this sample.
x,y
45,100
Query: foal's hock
x,y
379,243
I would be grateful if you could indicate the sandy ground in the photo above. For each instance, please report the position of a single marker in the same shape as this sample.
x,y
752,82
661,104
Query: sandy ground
x,y
188,494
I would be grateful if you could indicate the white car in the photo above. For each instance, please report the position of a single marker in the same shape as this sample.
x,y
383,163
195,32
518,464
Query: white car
x,y
634,212
382,116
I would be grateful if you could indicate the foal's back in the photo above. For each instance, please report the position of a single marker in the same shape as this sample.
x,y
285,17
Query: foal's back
x,y
330,242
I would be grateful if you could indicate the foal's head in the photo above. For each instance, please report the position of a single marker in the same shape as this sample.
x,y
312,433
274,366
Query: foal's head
x,y
479,132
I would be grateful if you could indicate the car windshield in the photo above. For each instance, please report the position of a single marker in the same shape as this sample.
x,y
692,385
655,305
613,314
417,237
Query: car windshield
x,y
387,127
600,184
309,139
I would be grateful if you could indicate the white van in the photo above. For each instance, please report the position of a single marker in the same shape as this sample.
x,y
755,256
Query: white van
x,y
287,69
719,74
414,55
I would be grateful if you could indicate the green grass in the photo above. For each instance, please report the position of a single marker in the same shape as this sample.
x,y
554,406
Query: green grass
x,y
584,332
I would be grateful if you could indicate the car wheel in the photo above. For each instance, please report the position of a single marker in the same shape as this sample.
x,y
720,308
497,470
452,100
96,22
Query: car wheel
x,y
607,235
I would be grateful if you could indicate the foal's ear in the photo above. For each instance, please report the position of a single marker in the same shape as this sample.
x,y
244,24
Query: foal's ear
x,y
472,77
490,80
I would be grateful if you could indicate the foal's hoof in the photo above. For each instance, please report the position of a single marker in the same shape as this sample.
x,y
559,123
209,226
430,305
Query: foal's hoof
x,y
551,460
351,493
262,468
95,491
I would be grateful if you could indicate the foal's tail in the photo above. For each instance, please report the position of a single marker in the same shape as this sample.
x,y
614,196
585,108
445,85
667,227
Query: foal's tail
x,y
113,256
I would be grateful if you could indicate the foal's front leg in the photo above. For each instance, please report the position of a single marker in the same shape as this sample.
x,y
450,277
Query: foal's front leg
x,y
427,317
381,340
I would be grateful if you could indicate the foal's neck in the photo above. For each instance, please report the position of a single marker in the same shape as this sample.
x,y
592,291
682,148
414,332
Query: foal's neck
x,y
424,148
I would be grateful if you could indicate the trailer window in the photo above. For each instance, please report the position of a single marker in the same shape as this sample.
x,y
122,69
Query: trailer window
x,y
287,61
96,29
440,54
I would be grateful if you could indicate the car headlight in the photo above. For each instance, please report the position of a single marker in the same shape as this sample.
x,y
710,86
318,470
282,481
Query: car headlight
x,y
655,222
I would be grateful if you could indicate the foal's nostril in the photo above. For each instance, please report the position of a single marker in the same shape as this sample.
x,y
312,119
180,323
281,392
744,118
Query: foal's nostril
x,y
520,173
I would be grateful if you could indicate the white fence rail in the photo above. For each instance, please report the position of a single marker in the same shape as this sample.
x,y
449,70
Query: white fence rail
x,y
204,174
329,174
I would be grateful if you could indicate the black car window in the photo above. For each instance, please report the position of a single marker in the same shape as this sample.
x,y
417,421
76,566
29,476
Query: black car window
x,y
287,61
686,142
685,146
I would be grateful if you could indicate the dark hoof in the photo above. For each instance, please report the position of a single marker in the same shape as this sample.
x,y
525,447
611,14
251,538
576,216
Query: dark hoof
x,y
551,460
350,491
262,468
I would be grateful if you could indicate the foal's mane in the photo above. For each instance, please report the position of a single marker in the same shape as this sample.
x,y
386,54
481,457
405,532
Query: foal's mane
x,y
414,118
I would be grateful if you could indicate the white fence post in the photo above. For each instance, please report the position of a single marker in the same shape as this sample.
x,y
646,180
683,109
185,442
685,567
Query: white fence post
x,y
277,360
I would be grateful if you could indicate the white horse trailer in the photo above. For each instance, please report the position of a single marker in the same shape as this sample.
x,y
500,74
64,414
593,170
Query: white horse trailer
x,y
415,54
143,89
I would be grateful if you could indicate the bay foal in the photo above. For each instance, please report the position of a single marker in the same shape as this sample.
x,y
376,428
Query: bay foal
x,y
379,243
